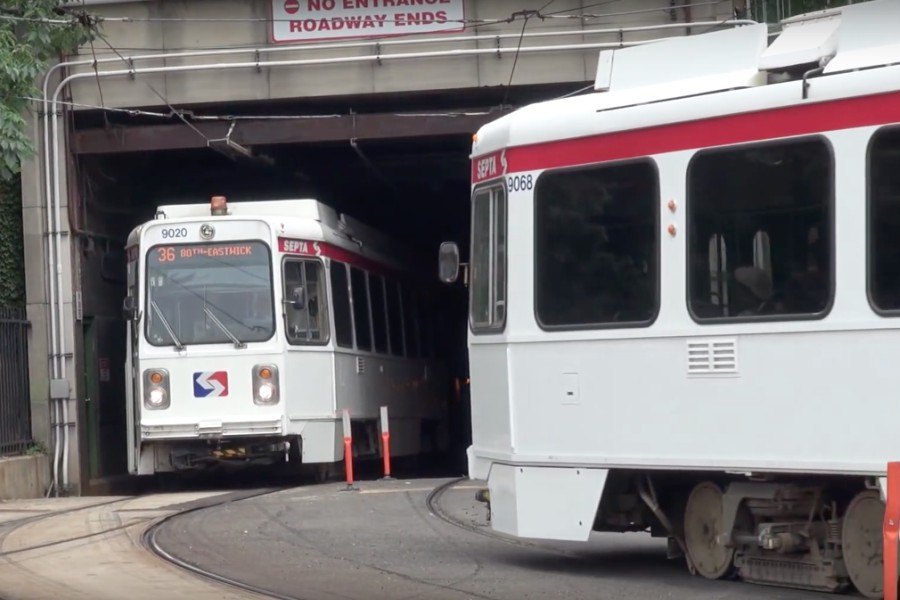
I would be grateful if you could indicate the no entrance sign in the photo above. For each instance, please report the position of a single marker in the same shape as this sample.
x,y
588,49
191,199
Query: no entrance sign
x,y
309,20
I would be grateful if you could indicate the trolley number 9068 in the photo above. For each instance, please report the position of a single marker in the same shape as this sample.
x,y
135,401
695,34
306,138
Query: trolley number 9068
x,y
519,183
174,232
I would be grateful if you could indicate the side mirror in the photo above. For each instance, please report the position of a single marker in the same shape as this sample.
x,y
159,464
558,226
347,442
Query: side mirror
x,y
448,262
129,309
298,297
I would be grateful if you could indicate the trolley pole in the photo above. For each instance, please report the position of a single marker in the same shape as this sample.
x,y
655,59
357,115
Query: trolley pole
x,y
348,453
386,442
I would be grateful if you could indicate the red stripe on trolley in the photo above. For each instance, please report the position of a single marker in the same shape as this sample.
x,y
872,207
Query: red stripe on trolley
x,y
309,248
790,121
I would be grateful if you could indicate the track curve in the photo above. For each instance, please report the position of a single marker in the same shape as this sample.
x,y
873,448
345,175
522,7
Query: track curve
x,y
151,544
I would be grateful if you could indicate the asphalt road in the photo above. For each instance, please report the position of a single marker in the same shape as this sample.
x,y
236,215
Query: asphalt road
x,y
383,542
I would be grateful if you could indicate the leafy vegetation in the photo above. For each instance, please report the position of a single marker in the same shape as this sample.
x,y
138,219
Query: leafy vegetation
x,y
12,274
32,32
36,448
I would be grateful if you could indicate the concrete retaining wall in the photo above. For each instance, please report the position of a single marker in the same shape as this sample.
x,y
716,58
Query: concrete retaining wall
x,y
24,476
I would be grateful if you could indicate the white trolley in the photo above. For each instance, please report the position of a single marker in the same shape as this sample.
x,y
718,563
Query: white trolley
x,y
254,325
685,301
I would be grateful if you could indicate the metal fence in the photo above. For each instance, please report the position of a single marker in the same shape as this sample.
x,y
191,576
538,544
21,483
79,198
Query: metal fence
x,y
15,412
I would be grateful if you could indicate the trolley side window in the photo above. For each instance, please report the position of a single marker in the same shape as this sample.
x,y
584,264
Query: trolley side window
x,y
305,304
597,247
760,231
379,314
884,220
361,320
488,287
340,292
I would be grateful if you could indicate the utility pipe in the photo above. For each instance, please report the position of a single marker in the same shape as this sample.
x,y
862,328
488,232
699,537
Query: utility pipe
x,y
392,43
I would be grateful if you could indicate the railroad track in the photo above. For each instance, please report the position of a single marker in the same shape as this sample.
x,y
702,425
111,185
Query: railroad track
x,y
150,542
8,527
148,538
433,502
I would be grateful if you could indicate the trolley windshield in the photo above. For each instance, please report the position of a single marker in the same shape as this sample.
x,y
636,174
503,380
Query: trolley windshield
x,y
209,294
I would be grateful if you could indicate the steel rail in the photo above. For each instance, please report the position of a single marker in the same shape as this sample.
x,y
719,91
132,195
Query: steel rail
x,y
150,542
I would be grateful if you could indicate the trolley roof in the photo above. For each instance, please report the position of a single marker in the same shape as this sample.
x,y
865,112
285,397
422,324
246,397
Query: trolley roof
x,y
719,73
286,216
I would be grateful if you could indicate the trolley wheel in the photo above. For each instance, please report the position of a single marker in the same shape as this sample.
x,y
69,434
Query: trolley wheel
x,y
863,544
702,526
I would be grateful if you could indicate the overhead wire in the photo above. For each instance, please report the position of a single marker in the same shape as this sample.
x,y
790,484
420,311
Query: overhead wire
x,y
137,112
153,89
466,23
96,70
527,14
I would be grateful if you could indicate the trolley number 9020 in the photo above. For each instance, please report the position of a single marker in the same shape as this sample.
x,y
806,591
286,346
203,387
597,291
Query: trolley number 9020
x,y
519,183
174,232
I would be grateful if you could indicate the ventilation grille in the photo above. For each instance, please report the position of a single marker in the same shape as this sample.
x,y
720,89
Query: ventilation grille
x,y
360,364
712,357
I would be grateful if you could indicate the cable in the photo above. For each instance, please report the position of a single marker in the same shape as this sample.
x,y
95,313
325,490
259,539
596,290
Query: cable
x,y
633,12
466,23
136,112
528,14
583,8
18,19
575,92
96,71
153,89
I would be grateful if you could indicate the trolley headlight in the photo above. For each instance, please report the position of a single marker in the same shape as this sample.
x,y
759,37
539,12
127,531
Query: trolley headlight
x,y
266,391
156,389
265,384
156,398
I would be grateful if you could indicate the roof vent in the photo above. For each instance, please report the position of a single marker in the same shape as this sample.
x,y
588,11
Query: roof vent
x,y
867,36
804,40
686,66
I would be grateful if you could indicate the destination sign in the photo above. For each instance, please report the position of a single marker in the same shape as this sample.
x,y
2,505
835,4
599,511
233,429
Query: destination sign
x,y
200,254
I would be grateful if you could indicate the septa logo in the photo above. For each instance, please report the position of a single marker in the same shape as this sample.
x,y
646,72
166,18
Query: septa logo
x,y
211,384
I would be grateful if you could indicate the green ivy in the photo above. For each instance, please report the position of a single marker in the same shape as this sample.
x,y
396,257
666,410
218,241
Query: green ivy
x,y
32,33
12,272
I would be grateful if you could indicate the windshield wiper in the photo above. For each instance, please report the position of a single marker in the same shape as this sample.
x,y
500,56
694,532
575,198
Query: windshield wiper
x,y
162,319
237,343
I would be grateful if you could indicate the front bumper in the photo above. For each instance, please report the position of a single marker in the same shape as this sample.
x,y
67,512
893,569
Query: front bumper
x,y
211,430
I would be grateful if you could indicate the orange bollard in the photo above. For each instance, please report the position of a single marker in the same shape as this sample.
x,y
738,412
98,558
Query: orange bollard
x,y
891,530
348,460
348,452
386,442
386,445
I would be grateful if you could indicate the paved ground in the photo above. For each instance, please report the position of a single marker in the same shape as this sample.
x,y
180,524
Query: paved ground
x,y
316,542
90,548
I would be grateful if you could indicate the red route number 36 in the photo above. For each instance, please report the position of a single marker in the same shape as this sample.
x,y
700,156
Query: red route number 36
x,y
165,254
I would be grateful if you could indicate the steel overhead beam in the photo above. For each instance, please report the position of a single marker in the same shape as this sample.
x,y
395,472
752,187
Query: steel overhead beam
x,y
118,139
